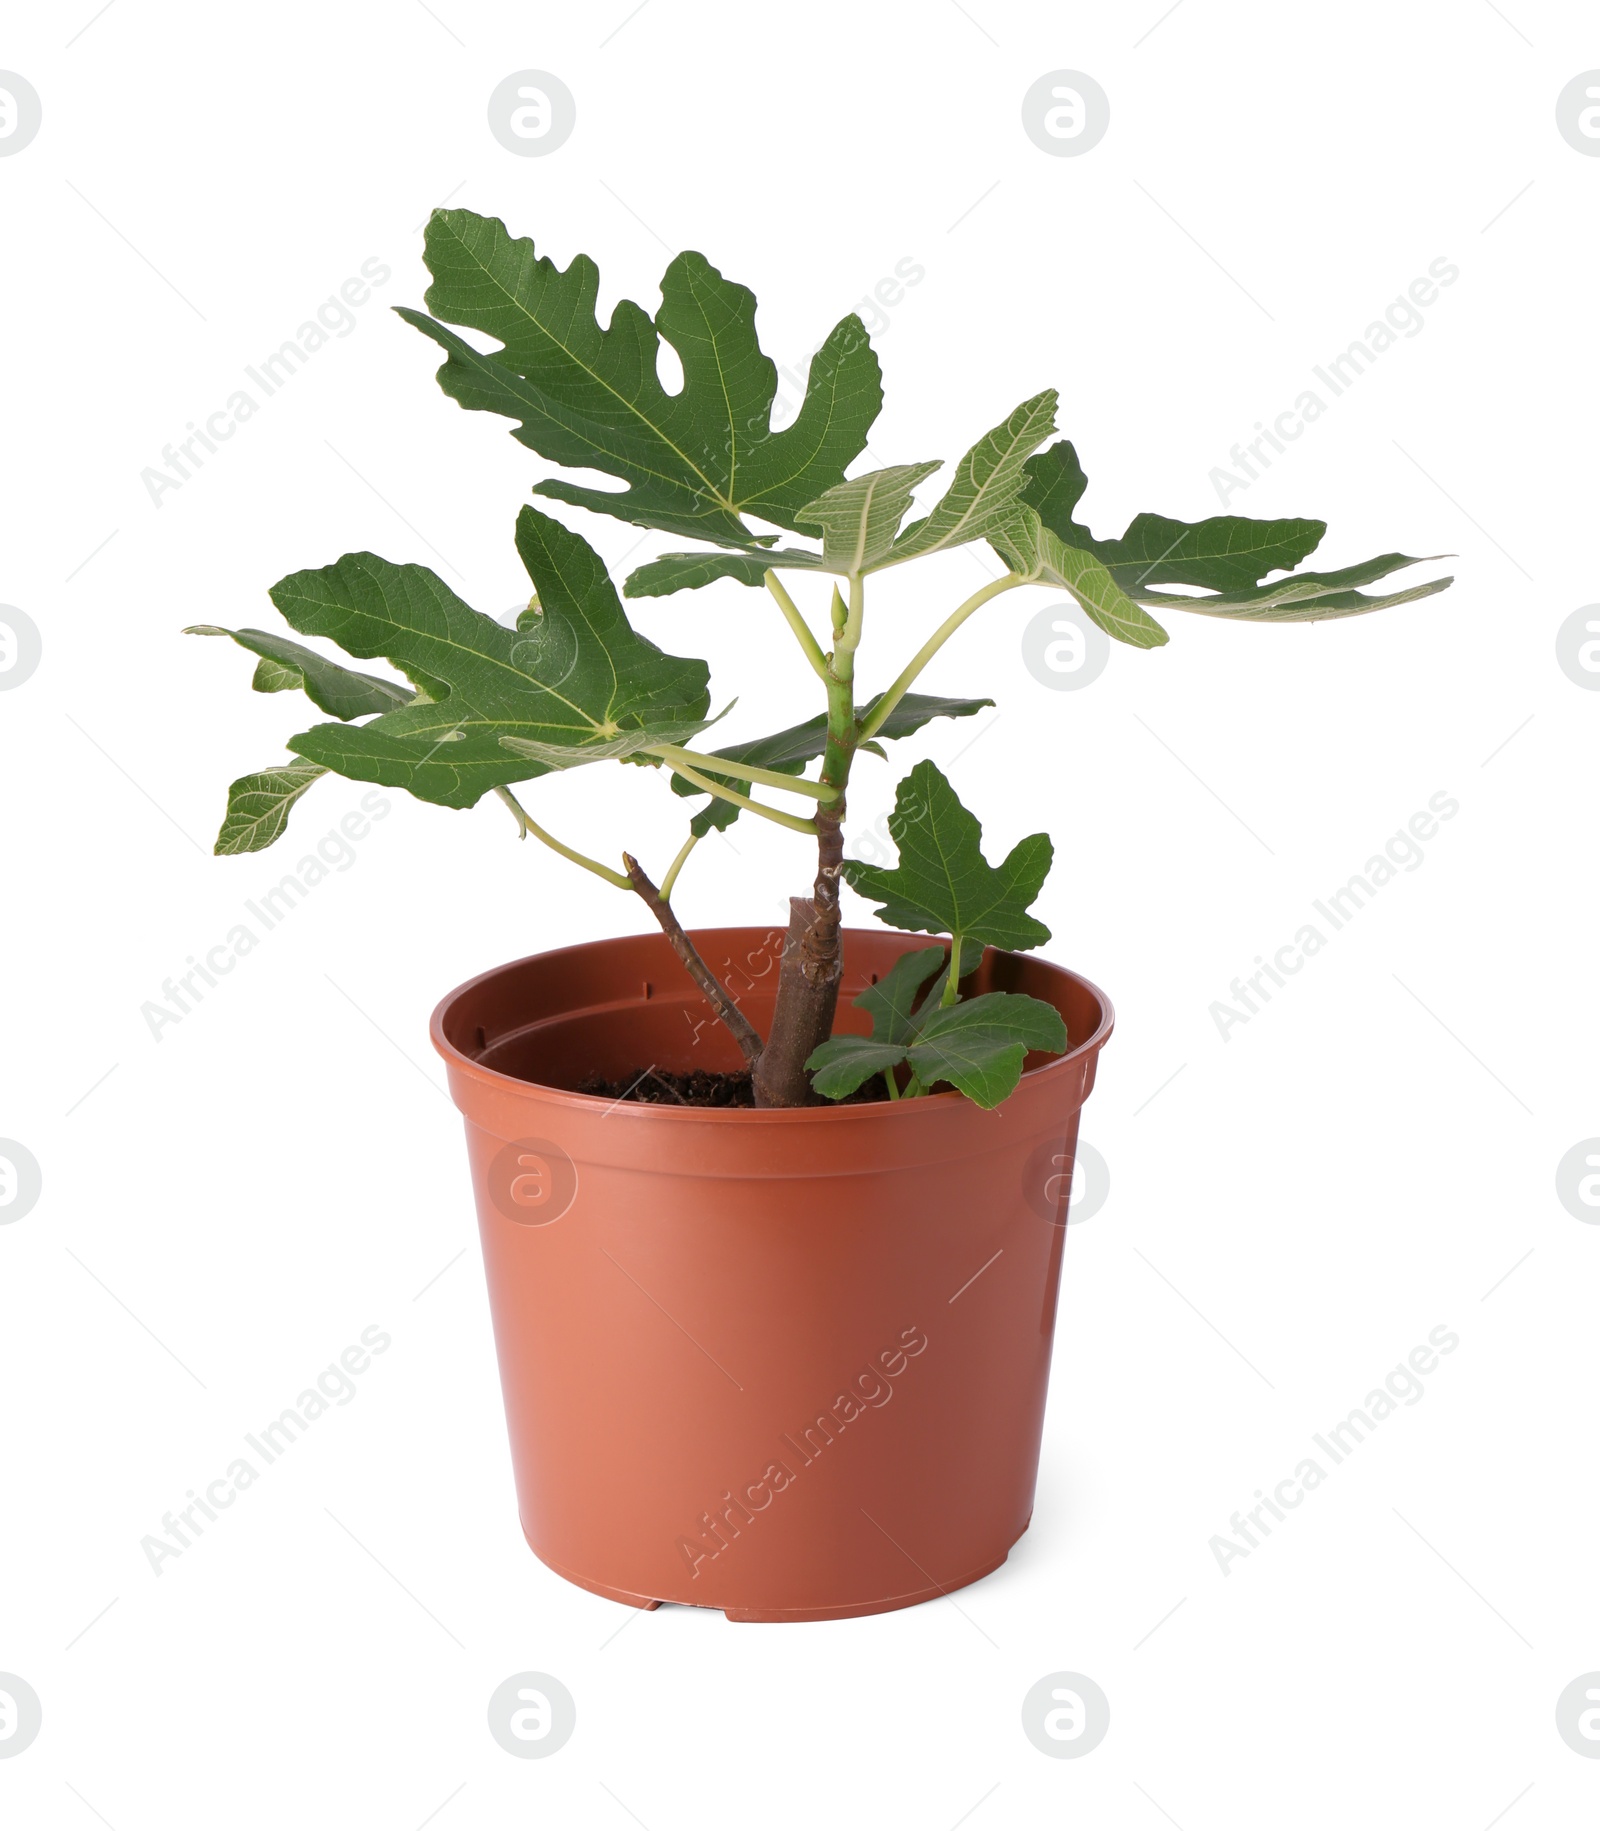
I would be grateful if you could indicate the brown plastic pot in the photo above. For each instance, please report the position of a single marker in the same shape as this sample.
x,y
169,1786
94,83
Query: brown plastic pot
x,y
788,1364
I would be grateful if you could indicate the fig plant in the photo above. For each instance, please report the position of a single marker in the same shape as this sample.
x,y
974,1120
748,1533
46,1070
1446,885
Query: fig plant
x,y
483,708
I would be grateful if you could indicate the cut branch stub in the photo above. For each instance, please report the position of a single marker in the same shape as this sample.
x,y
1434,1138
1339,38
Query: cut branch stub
x,y
802,1020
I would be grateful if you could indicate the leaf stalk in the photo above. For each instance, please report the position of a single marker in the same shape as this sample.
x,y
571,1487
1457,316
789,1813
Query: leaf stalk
x,y
908,674
528,824
723,793
741,772
796,622
668,882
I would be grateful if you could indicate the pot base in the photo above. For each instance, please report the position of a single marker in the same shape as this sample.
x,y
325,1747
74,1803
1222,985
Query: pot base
x,y
881,1607
697,1310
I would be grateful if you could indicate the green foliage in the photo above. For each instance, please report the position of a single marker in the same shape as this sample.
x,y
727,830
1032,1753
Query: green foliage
x,y
479,706
287,666
1037,555
843,1063
1306,597
695,462
978,1045
572,684
942,884
659,578
858,520
986,484
1220,554
892,1003
1226,555
258,806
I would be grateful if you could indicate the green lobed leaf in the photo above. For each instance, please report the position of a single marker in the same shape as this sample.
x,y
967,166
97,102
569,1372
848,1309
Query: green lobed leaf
x,y
1222,553
979,1046
1036,552
1053,486
1227,555
575,678
892,1002
942,883
287,666
859,520
259,804
695,462
986,486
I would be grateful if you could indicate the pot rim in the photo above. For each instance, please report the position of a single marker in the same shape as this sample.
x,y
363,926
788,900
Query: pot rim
x,y
871,1112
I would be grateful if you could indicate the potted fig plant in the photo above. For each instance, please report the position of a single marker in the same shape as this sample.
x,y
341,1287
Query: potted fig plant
x,y
772,1219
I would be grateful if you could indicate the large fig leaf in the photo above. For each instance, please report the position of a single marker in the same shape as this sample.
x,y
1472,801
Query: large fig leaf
x,y
859,520
695,462
1226,555
1221,553
574,680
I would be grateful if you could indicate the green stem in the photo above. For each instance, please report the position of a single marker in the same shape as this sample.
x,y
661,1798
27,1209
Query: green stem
x,y
840,678
723,793
529,825
931,647
857,606
796,622
808,976
677,865
949,995
740,772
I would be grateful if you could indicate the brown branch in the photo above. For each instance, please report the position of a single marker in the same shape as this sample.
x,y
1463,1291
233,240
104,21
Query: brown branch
x,y
743,1031
822,940
808,980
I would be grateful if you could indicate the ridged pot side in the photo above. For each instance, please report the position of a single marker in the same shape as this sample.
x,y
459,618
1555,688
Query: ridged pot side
x,y
790,1364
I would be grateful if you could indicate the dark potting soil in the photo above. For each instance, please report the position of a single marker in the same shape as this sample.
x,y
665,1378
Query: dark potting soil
x,y
701,1087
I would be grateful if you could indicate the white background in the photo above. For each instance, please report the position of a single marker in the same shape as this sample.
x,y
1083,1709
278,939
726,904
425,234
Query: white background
x,y
1368,1157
